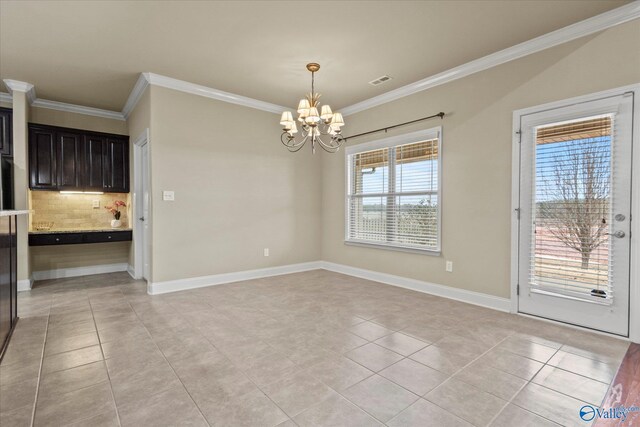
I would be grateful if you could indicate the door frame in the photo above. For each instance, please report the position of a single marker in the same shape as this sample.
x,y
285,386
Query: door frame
x,y
634,286
138,249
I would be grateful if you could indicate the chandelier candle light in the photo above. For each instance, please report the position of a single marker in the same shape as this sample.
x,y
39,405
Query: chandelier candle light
x,y
315,120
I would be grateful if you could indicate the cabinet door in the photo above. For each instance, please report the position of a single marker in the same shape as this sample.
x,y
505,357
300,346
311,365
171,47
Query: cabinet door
x,y
95,159
42,159
69,162
6,135
5,279
116,165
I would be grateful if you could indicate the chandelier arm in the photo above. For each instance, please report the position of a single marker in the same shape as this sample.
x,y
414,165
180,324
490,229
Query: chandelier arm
x,y
290,141
334,146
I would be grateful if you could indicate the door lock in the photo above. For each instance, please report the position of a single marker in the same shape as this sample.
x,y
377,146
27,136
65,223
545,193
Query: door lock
x,y
620,217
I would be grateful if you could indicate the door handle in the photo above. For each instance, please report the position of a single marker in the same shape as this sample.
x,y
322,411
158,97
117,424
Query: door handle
x,y
141,218
619,234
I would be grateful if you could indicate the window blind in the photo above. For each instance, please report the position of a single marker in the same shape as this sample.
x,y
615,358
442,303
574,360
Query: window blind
x,y
572,199
393,196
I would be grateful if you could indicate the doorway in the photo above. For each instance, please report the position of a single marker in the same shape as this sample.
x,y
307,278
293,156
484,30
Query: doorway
x,y
572,246
141,208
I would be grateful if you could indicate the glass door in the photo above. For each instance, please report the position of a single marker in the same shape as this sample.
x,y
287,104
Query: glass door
x,y
575,206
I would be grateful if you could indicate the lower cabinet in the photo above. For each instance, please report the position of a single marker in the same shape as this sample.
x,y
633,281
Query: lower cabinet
x,y
8,280
53,238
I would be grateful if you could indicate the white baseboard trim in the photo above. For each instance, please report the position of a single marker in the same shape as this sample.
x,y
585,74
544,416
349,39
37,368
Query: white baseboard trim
x,y
132,272
471,297
219,279
476,298
25,285
61,273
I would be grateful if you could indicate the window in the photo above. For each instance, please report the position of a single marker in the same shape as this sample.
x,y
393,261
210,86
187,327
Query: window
x,y
393,193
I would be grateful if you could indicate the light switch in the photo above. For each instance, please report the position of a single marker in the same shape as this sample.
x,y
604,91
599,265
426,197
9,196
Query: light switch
x,y
95,204
266,251
449,266
168,196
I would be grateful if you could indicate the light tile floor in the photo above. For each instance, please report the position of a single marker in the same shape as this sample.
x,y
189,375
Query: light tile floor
x,y
308,349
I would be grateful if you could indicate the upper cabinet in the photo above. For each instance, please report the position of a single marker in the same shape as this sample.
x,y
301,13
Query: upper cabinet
x,y
63,159
42,159
116,169
6,136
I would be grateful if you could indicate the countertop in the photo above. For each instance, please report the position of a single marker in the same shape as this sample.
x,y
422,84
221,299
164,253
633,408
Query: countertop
x,y
96,230
12,213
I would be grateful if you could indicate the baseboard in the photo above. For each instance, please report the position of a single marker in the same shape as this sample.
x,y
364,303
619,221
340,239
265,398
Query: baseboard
x,y
25,285
62,273
471,297
132,272
219,279
476,298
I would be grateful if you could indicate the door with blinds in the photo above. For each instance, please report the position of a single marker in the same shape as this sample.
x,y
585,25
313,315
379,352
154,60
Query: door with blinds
x,y
575,209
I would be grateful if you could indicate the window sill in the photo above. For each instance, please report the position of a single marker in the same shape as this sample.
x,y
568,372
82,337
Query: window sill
x,y
429,252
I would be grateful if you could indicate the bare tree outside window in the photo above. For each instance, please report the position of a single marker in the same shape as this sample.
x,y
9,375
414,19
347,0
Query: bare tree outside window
x,y
576,196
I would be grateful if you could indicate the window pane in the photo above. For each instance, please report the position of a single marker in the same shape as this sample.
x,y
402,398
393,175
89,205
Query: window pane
x,y
368,218
393,195
371,172
417,220
572,208
417,167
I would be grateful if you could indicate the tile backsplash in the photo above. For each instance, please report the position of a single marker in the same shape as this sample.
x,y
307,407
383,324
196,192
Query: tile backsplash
x,y
75,211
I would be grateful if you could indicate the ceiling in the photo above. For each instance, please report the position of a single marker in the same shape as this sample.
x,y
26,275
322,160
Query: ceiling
x,y
91,53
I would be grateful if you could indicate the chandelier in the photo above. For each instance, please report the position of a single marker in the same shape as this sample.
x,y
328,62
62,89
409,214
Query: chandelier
x,y
316,122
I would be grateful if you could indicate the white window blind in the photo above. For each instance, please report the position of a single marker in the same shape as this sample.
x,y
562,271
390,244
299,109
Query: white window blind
x,y
393,195
572,215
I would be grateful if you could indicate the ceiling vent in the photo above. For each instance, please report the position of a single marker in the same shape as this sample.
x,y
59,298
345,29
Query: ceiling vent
x,y
379,80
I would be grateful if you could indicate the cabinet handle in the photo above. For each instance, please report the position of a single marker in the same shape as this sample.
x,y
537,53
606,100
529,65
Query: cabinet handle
x,y
57,239
109,237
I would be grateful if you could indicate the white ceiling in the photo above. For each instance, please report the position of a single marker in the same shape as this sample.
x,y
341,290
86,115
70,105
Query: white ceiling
x,y
91,53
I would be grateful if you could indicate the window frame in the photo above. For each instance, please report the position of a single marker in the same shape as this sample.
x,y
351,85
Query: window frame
x,y
392,142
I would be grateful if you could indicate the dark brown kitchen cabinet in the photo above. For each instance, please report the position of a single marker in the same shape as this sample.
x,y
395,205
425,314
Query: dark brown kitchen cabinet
x,y
69,161
6,135
94,146
8,280
116,171
42,159
64,159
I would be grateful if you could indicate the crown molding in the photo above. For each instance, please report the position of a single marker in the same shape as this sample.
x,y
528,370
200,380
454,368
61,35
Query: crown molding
x,y
589,26
79,109
28,88
135,95
208,92
18,86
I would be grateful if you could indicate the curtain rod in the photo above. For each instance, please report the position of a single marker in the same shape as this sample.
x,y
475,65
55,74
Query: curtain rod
x,y
440,114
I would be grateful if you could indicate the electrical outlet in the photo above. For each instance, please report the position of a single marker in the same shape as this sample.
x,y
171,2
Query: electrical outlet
x,y
266,251
449,266
95,204
168,196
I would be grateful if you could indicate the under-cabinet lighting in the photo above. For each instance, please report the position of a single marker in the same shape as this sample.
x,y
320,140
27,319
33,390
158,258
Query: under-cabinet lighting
x,y
81,192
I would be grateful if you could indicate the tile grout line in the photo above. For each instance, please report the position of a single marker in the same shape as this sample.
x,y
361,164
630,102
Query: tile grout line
x,y
44,344
104,361
243,372
169,364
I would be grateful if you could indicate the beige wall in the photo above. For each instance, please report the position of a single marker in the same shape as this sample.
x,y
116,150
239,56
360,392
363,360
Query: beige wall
x,y
476,194
138,121
21,180
46,116
237,189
